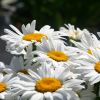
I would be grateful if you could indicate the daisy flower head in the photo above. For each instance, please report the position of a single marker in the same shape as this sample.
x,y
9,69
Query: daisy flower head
x,y
17,41
49,84
17,65
6,82
55,52
71,32
88,42
91,67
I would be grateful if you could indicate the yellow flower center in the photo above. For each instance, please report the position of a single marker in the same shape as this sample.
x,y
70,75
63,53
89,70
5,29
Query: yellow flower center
x,y
24,71
3,87
48,85
97,67
89,51
58,56
33,36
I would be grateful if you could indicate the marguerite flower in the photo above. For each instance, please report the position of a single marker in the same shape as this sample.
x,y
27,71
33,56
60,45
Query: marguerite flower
x,y
88,42
17,65
17,41
71,32
91,67
6,82
55,52
49,84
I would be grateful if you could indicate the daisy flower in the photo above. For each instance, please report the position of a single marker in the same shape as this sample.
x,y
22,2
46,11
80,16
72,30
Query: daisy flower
x,y
17,41
55,52
6,82
49,84
71,32
91,67
88,42
17,65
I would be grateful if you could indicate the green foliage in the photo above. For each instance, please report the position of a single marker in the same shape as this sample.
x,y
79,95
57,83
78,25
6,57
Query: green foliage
x,y
57,12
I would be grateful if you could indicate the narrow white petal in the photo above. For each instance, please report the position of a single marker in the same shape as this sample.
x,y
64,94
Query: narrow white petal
x,y
97,79
24,77
33,74
57,96
16,30
65,95
24,29
7,77
48,96
90,74
37,96
27,95
33,24
1,77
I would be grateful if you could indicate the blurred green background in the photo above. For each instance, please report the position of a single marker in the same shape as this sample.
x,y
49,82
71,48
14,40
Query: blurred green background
x,y
81,13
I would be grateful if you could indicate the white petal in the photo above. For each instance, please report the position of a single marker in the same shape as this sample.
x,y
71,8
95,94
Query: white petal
x,y
57,96
46,44
2,96
48,96
97,79
24,29
15,29
1,77
27,95
33,74
90,74
13,80
10,33
38,96
7,77
65,95
63,74
33,24
24,77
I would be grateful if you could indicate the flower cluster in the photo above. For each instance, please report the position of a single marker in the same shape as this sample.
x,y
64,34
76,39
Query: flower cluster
x,y
50,65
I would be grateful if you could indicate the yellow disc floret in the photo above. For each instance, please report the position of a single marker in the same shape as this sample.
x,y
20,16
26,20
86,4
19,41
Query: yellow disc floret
x,y
48,85
89,51
58,55
97,67
3,87
34,36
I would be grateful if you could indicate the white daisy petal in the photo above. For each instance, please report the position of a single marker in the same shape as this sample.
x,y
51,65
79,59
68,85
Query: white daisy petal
x,y
48,96
23,29
27,95
97,79
24,77
57,96
33,24
38,96
65,95
33,74
15,29
2,96
90,74
1,77
7,77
